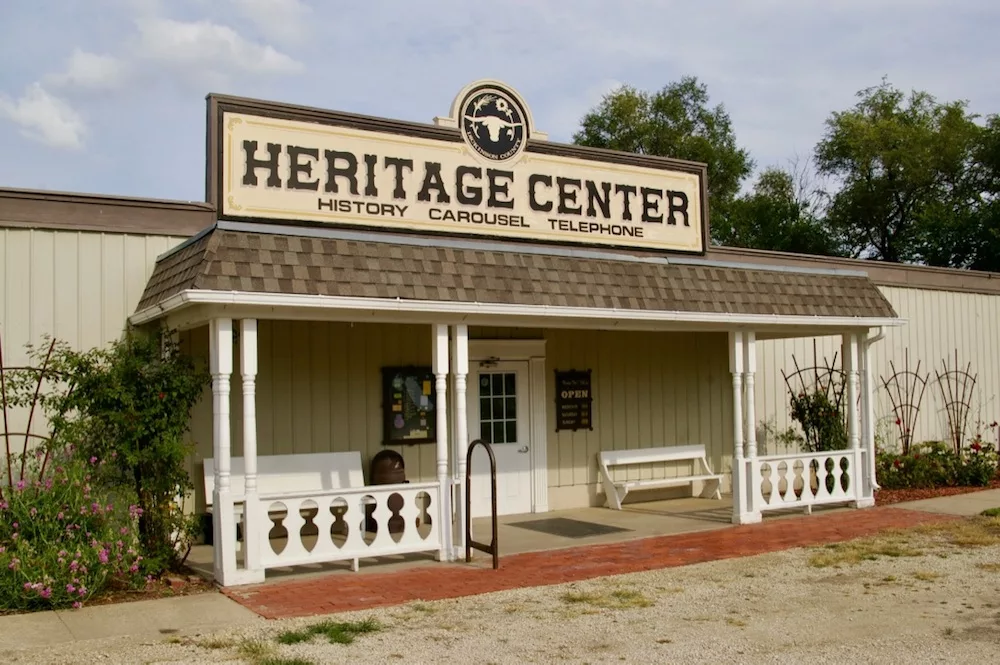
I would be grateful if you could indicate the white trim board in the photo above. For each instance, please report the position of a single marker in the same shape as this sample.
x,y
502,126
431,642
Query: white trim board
x,y
474,312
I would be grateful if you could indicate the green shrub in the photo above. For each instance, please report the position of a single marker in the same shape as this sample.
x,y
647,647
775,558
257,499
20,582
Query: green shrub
x,y
130,404
63,538
935,464
822,421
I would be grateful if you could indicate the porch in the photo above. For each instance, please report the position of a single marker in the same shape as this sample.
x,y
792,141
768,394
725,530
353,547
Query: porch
x,y
555,530
675,365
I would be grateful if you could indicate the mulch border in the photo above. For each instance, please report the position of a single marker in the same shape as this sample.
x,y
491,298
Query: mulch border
x,y
885,497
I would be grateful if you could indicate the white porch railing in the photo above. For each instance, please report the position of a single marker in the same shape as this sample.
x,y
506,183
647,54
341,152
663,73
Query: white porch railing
x,y
803,480
298,528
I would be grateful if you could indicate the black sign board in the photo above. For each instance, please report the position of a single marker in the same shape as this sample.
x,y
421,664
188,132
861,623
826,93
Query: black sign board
x,y
408,399
574,400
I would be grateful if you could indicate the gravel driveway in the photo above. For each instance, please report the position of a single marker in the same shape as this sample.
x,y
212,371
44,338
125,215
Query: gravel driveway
x,y
930,596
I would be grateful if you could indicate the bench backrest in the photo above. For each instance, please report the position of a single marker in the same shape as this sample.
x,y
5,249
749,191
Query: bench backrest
x,y
651,455
292,473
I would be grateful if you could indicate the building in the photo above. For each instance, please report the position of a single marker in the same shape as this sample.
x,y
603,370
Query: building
x,y
360,284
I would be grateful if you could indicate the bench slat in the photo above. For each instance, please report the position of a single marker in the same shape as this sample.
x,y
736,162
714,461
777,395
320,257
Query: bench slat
x,y
665,482
652,455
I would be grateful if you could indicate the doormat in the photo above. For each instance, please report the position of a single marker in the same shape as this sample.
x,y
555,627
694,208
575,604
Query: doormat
x,y
567,528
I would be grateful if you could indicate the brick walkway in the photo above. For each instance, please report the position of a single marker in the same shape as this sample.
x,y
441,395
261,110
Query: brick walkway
x,y
341,592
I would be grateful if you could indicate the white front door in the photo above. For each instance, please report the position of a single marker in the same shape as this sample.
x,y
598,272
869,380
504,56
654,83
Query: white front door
x,y
499,414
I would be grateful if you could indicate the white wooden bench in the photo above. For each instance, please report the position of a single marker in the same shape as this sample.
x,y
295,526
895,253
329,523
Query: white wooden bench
x,y
617,490
288,473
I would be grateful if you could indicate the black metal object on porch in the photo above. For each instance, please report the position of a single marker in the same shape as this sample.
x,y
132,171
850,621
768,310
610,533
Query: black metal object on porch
x,y
387,468
493,548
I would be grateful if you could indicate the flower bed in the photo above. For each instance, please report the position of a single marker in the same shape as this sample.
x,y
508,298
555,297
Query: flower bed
x,y
63,540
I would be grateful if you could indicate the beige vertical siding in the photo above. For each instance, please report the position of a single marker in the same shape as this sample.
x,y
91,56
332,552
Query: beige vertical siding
x,y
939,324
319,390
79,287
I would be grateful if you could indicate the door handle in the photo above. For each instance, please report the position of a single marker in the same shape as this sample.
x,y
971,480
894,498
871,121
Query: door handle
x,y
522,449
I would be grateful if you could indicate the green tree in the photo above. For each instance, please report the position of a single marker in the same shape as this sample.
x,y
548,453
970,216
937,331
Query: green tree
x,y
677,122
905,166
776,215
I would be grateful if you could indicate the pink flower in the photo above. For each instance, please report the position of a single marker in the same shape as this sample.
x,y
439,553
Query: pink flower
x,y
63,553
134,568
14,563
60,516
123,530
77,605
45,593
15,536
103,556
20,485
2,549
70,588
27,586
93,460
82,591
14,525
4,505
33,511
73,565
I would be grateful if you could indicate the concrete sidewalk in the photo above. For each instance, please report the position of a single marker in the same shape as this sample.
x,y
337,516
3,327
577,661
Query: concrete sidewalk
x,y
140,619
965,505
213,611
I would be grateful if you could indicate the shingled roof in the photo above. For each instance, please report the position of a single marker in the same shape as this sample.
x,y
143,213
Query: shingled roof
x,y
266,262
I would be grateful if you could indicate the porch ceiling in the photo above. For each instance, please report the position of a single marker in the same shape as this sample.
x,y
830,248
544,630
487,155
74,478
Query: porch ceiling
x,y
304,268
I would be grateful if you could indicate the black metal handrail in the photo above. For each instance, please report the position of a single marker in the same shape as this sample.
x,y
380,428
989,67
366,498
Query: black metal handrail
x,y
492,548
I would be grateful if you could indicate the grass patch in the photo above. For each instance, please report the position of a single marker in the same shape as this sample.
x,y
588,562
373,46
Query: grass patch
x,y
739,623
991,512
215,643
423,607
618,599
915,541
864,549
973,532
336,632
255,650
927,576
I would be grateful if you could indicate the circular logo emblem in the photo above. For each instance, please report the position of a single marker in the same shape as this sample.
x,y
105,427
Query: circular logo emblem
x,y
493,124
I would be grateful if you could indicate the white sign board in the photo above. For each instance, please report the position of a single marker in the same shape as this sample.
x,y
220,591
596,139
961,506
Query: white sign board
x,y
488,180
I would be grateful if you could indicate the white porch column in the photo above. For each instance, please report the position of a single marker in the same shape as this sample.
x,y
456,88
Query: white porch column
x,y
739,468
868,413
750,370
254,537
224,521
460,358
858,467
439,337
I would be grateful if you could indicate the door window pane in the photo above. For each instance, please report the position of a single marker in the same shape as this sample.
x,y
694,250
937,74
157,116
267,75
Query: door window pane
x,y
498,407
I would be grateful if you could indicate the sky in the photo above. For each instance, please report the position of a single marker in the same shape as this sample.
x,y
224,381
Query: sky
x,y
108,96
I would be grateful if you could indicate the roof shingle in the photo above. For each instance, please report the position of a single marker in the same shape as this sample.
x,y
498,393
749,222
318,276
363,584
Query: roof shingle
x,y
230,260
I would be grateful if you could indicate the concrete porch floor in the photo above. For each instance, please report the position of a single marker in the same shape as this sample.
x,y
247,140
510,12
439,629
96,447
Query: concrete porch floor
x,y
635,521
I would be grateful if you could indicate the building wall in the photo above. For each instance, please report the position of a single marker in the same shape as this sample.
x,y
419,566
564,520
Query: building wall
x,y
319,390
78,287
940,323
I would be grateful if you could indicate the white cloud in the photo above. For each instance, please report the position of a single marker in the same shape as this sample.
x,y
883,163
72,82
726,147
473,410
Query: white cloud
x,y
208,46
285,20
91,71
45,118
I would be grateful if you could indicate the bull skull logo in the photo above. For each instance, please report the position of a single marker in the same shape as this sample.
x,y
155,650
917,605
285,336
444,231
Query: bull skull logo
x,y
493,124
